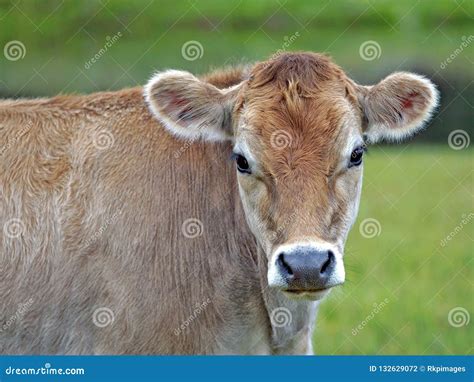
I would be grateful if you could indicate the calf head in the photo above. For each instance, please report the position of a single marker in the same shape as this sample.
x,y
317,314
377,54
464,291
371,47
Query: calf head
x,y
299,128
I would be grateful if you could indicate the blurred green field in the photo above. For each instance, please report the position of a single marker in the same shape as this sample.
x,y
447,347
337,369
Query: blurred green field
x,y
418,195
59,38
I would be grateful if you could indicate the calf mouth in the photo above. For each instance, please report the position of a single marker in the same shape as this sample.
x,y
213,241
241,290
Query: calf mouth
x,y
307,294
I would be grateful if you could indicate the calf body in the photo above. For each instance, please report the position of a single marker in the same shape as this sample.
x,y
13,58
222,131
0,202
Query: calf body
x,y
63,187
126,233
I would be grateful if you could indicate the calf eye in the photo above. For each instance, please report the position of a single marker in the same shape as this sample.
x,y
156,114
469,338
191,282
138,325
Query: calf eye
x,y
356,157
242,164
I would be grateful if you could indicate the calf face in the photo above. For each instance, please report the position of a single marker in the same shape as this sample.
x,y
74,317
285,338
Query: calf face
x,y
299,129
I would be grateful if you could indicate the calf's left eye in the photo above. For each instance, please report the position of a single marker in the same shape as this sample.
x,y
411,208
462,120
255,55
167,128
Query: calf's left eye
x,y
356,157
242,164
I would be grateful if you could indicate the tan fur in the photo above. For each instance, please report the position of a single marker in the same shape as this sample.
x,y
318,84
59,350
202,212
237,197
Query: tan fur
x,y
142,267
103,227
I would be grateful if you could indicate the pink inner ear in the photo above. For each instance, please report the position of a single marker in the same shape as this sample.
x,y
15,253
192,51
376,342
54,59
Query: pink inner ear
x,y
173,101
407,103
178,108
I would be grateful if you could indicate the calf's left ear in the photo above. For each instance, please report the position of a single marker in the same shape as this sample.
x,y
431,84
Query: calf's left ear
x,y
190,108
398,106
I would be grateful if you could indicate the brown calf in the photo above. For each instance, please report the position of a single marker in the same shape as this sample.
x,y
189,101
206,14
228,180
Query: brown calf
x,y
126,231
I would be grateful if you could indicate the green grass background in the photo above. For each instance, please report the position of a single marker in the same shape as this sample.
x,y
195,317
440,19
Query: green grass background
x,y
418,192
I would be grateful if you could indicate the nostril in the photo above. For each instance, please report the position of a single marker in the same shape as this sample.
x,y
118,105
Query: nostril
x,y
283,264
327,263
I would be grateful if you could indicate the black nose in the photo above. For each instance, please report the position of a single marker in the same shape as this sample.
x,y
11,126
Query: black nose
x,y
307,269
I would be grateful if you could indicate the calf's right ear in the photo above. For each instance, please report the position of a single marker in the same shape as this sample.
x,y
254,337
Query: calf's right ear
x,y
189,107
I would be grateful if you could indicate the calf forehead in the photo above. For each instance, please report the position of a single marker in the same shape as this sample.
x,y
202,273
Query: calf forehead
x,y
296,109
295,134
